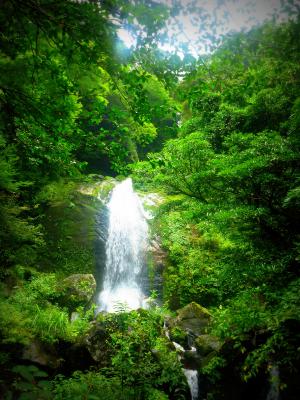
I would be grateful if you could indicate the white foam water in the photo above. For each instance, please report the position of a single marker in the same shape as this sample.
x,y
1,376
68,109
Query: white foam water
x,y
192,379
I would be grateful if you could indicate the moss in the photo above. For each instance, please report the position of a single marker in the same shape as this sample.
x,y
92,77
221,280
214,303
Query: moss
x,y
78,290
192,318
193,310
206,344
106,187
69,229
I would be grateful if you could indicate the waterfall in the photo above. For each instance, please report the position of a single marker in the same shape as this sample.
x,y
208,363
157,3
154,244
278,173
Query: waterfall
x,y
190,374
125,250
274,391
192,380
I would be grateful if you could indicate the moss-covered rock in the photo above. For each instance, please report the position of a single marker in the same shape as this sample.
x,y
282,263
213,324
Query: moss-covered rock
x,y
192,318
99,187
69,232
104,189
206,344
78,290
71,213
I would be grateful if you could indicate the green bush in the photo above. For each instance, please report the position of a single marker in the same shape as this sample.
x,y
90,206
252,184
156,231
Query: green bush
x,y
34,310
90,386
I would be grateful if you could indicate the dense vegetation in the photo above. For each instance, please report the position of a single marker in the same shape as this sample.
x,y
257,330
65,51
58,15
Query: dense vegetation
x,y
217,139
231,222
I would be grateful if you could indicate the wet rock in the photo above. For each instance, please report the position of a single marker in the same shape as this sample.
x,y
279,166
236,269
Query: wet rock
x,y
185,329
105,188
78,290
191,359
99,186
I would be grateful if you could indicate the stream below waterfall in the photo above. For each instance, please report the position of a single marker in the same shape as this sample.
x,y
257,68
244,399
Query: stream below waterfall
x,y
190,374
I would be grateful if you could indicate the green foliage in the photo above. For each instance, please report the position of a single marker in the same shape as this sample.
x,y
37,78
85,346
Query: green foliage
x,y
92,386
69,104
97,386
57,192
141,357
13,326
230,221
50,324
179,335
74,101
212,369
30,383
34,310
145,134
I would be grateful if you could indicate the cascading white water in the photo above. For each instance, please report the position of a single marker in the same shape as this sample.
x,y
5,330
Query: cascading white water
x,y
274,391
190,374
192,379
125,250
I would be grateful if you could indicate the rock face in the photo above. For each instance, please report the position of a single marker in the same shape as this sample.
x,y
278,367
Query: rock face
x,y
42,354
70,226
158,254
78,290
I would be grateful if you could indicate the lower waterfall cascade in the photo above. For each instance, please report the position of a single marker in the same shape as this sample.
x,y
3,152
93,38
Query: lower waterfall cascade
x,y
192,380
190,374
125,250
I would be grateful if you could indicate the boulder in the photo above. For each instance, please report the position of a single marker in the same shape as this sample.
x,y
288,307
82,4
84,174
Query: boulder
x,y
78,290
192,318
206,344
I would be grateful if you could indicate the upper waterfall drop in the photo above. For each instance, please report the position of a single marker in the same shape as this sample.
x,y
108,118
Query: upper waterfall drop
x,y
125,250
